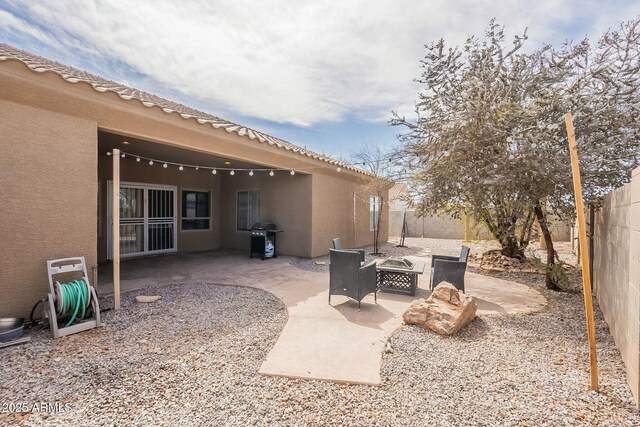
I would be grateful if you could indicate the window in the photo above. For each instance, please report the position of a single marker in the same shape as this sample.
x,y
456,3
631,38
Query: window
x,y
374,212
196,210
248,211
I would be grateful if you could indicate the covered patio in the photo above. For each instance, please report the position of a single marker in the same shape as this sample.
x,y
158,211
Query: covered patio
x,y
319,341
174,199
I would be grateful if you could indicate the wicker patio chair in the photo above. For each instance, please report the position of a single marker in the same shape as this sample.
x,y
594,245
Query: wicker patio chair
x,y
347,277
338,245
449,269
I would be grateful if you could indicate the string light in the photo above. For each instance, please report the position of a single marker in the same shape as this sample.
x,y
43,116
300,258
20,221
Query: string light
x,y
214,171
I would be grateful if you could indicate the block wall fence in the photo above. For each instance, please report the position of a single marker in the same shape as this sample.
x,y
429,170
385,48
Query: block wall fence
x,y
616,272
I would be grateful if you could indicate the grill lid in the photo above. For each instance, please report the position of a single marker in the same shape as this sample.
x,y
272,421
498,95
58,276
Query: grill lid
x,y
263,226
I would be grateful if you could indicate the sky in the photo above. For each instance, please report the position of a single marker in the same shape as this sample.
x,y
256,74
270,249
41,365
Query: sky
x,y
322,74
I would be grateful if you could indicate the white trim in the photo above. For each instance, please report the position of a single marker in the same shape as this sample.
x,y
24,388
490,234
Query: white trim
x,y
146,187
236,210
210,218
100,205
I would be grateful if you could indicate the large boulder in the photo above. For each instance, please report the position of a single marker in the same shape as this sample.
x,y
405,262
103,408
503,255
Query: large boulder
x,y
446,311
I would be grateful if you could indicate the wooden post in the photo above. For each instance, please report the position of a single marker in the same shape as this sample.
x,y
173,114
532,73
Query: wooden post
x,y
582,240
115,238
467,227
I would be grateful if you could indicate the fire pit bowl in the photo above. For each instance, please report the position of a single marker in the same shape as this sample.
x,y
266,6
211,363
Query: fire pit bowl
x,y
11,328
397,263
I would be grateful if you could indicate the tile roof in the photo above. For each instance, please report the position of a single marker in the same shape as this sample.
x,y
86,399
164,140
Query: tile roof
x,y
39,64
398,189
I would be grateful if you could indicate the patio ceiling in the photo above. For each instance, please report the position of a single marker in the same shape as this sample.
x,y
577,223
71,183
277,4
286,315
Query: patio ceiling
x,y
107,141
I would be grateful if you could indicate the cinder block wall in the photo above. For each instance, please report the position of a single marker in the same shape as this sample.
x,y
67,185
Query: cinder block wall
x,y
433,226
446,227
616,272
48,199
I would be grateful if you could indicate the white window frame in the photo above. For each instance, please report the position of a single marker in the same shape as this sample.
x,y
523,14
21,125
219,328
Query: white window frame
x,y
248,216
210,217
374,204
145,186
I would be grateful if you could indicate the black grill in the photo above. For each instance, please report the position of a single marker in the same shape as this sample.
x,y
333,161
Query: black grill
x,y
260,233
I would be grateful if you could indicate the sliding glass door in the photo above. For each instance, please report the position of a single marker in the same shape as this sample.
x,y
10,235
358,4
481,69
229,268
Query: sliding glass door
x,y
147,219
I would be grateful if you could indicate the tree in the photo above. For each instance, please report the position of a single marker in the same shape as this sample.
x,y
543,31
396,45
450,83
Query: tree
x,y
489,133
376,161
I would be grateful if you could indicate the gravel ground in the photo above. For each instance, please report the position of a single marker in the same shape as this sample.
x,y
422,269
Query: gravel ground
x,y
413,246
192,359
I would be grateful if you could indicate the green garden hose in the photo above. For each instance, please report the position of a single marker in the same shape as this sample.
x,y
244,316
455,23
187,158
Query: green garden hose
x,y
74,296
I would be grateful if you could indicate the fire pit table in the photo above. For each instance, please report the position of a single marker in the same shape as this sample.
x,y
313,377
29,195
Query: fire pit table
x,y
399,275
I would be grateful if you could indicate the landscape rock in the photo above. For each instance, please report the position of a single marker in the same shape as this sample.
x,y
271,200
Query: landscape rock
x,y
445,312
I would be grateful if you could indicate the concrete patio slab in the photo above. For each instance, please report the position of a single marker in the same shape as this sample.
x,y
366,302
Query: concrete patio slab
x,y
320,341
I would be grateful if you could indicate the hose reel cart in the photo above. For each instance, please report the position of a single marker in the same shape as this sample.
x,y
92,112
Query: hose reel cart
x,y
74,301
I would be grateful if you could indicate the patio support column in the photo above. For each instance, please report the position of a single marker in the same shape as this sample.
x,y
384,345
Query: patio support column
x,y
115,238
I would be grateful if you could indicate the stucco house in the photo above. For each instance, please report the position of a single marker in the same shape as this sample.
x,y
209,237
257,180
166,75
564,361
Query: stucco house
x,y
59,123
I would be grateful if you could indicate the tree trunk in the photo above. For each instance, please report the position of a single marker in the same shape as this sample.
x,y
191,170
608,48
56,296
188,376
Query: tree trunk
x,y
527,228
511,249
503,229
541,216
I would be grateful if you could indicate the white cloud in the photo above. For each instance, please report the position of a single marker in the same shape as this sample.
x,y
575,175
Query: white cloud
x,y
293,62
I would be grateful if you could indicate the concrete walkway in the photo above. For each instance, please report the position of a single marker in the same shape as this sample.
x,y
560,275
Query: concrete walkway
x,y
319,341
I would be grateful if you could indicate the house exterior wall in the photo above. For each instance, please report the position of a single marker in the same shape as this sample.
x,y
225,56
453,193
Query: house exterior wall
x,y
333,214
48,193
616,272
53,125
131,171
284,200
